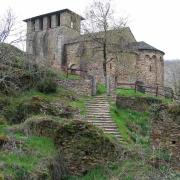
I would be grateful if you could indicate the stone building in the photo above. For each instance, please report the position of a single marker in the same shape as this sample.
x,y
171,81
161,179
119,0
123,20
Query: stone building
x,y
55,39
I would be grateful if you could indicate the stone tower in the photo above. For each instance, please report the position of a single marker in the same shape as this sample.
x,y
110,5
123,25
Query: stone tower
x,y
47,34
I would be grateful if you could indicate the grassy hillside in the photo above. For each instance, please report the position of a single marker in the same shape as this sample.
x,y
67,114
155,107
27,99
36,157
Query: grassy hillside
x,y
42,137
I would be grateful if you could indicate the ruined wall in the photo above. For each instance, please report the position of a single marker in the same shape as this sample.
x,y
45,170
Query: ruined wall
x,y
166,131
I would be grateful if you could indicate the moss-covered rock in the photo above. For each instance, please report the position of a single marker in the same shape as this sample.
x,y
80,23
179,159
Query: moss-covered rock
x,y
40,126
18,113
85,147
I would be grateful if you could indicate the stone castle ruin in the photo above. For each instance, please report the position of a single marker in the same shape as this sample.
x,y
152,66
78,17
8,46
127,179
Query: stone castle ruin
x,y
55,38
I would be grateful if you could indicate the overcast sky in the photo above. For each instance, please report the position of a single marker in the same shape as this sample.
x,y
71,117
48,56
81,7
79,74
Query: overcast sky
x,y
156,22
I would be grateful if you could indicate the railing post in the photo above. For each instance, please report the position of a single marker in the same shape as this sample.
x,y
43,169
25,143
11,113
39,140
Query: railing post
x,y
108,85
93,86
156,91
135,87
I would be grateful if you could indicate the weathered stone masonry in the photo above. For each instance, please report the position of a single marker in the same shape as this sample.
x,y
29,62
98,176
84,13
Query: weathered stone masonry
x,y
55,39
166,131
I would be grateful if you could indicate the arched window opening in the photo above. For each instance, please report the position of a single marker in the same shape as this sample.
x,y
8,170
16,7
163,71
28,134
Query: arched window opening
x,y
110,66
73,68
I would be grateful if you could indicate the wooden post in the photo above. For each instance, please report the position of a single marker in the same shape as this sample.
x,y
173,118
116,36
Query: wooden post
x,y
135,87
108,85
66,72
93,86
156,91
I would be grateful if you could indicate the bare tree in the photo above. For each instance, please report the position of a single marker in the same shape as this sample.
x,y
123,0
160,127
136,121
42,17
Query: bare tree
x,y
11,58
103,29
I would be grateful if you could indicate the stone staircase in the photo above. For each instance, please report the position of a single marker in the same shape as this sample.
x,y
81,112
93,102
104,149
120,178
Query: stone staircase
x,y
98,113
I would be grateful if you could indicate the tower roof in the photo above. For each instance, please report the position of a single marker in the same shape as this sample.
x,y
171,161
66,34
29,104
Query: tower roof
x,y
51,13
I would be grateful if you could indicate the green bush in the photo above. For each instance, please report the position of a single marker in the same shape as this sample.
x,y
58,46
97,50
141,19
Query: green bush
x,y
47,85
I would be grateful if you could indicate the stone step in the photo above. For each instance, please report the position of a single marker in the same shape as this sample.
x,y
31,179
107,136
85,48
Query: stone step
x,y
100,114
103,120
112,132
107,117
97,105
110,129
106,126
100,122
96,111
92,118
100,119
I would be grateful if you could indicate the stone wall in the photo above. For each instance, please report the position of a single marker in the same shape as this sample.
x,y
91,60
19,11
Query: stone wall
x,y
139,104
150,67
146,66
81,87
166,131
46,37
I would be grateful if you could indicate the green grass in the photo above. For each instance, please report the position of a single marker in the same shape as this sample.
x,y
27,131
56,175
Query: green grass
x,y
128,169
132,93
95,174
80,104
63,76
34,150
101,89
133,126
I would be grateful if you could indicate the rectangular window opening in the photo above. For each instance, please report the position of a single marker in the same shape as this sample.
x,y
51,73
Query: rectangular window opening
x,y
33,25
41,24
49,22
58,20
